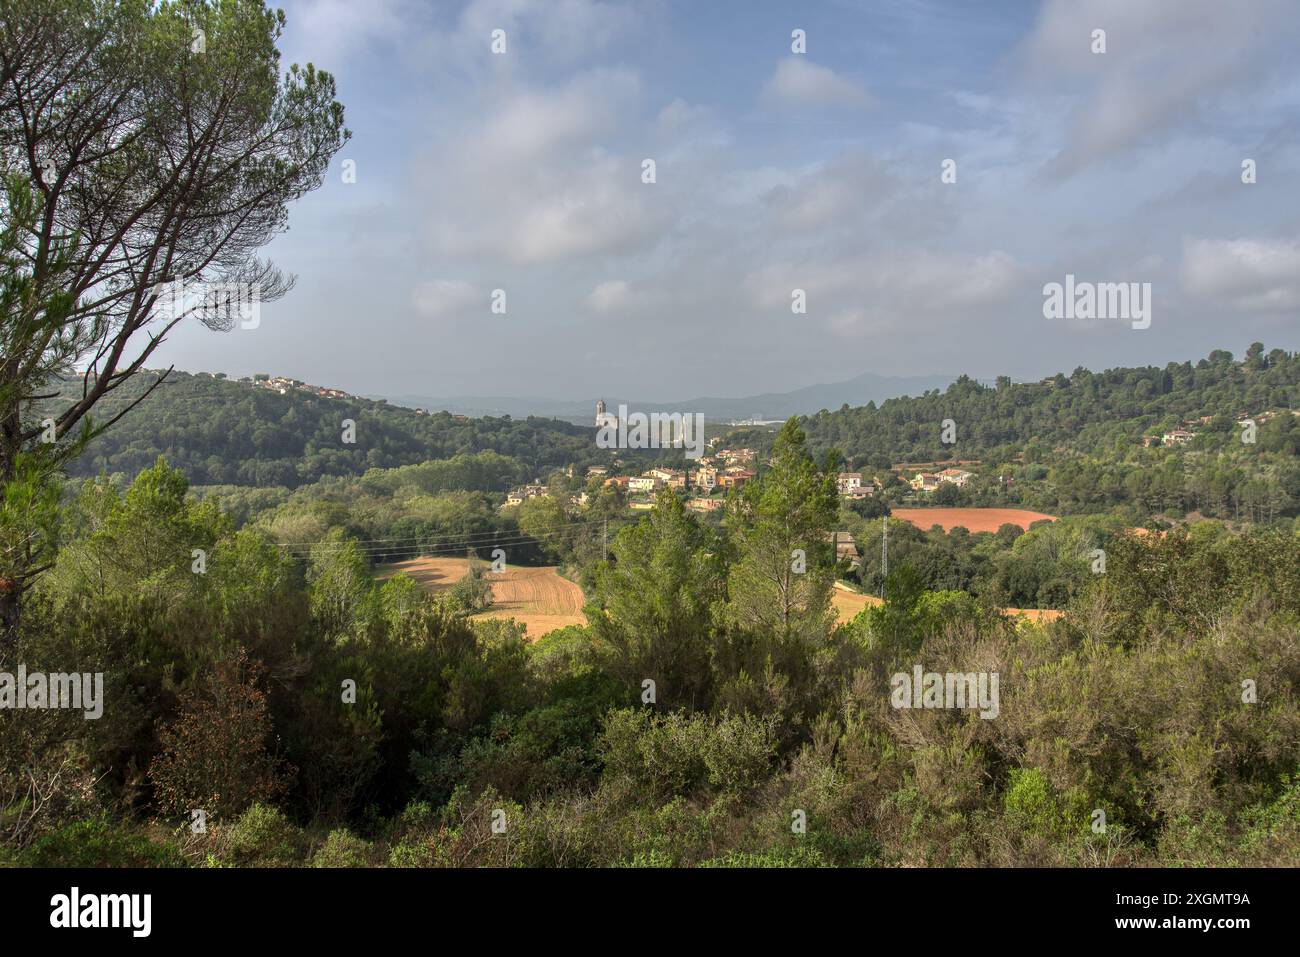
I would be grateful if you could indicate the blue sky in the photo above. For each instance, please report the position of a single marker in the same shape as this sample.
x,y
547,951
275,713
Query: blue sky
x,y
777,171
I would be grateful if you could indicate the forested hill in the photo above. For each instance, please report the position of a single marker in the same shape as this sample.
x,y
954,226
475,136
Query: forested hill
x,y
219,431
1085,411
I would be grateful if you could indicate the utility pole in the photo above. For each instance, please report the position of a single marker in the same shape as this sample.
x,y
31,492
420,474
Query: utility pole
x,y
604,554
884,557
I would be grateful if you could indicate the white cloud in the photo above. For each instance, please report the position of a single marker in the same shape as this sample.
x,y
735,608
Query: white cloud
x,y
1252,275
799,83
605,210
330,33
855,323
564,30
533,125
888,288
608,296
443,298
849,191
533,182
679,115
1166,61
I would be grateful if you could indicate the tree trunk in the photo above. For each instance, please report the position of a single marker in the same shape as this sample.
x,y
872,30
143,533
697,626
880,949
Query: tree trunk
x,y
10,612
14,564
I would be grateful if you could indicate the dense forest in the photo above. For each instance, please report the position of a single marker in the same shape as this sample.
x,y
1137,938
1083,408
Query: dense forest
x,y
221,432
1066,445
1087,412
711,713
1091,443
260,672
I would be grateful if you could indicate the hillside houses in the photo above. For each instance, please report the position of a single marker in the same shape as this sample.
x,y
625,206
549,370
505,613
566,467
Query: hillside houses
x,y
851,485
846,549
284,385
735,477
958,477
705,504
736,456
518,496
673,478
925,482
700,485
930,481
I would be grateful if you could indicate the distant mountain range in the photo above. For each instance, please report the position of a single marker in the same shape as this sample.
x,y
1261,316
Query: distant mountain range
x,y
859,390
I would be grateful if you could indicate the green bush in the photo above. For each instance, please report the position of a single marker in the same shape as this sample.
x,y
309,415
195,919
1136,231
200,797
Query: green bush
x,y
677,754
99,843
263,837
342,849
791,857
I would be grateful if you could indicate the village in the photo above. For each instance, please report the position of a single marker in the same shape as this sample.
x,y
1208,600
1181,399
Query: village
x,y
705,485
284,385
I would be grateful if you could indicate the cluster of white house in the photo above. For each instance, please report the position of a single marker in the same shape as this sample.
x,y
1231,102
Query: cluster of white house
x,y
285,385
705,478
722,468
1185,435
929,481
710,476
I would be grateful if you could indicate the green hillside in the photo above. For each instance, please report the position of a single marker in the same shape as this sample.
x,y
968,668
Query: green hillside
x,y
1085,411
222,432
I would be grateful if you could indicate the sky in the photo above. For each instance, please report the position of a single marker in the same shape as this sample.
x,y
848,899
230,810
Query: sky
x,y
776,171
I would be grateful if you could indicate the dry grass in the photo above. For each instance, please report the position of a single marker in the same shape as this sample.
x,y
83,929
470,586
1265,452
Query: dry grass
x,y
537,598
542,601
847,604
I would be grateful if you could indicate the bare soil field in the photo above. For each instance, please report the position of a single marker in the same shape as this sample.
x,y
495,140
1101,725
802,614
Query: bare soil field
x,y
1036,614
1144,532
971,519
542,601
537,598
847,604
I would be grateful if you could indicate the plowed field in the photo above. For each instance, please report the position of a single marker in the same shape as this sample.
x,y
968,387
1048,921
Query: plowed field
x,y
537,598
971,519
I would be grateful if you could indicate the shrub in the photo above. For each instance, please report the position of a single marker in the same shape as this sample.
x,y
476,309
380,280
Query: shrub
x,y
342,849
214,755
262,837
677,754
99,843
790,857
473,592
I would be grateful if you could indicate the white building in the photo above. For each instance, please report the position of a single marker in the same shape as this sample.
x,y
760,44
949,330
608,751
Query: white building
x,y
604,418
849,482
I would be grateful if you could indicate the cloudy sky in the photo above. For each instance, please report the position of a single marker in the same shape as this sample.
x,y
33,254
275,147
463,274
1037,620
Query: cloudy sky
x,y
778,171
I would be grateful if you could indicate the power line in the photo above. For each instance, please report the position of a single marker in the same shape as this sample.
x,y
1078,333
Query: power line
x,y
432,546
412,538
332,543
442,546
